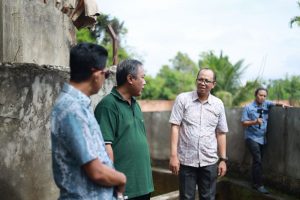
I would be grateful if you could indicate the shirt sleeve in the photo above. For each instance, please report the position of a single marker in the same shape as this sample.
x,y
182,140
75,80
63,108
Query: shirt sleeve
x,y
76,135
107,120
245,116
222,125
270,104
177,111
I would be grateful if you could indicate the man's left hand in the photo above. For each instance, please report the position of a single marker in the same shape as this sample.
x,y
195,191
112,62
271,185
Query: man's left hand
x,y
222,168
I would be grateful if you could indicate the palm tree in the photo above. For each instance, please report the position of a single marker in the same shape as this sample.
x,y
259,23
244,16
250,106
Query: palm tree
x,y
228,74
295,19
229,86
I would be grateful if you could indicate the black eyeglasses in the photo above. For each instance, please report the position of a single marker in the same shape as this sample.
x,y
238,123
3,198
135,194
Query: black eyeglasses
x,y
205,81
106,73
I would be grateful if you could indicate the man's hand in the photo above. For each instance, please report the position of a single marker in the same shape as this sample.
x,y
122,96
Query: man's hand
x,y
174,165
121,188
286,106
259,121
222,168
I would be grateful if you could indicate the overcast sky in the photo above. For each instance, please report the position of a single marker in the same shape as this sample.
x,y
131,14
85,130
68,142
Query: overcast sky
x,y
257,31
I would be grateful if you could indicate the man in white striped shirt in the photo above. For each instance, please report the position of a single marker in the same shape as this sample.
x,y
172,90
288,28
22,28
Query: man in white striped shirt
x,y
198,139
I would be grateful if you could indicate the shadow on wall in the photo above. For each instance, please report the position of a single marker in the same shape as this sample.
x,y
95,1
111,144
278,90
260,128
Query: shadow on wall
x,y
7,190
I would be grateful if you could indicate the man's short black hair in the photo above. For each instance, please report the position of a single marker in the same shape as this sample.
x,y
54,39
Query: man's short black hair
x,y
84,57
125,68
259,89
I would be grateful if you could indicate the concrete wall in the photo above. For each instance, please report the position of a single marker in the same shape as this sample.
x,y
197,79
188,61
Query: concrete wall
x,y
282,153
32,31
28,92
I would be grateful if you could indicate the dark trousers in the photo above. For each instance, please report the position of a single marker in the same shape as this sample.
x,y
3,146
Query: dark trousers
x,y
256,151
144,197
204,177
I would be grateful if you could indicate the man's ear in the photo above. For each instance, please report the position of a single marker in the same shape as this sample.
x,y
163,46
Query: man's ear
x,y
129,79
214,84
95,75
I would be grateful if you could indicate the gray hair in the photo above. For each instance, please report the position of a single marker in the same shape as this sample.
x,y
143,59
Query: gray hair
x,y
126,67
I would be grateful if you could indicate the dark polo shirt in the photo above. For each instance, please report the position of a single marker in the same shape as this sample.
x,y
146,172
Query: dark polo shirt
x,y
122,125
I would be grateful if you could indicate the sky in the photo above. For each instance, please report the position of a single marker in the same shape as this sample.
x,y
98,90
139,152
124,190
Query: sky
x,y
257,31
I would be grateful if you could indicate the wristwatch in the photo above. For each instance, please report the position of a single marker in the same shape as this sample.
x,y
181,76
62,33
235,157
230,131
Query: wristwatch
x,y
223,159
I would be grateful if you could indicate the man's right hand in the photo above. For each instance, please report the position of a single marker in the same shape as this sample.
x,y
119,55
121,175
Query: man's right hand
x,y
105,175
121,188
174,165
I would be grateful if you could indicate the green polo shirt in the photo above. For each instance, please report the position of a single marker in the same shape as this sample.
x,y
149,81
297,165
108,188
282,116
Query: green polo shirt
x,y
122,125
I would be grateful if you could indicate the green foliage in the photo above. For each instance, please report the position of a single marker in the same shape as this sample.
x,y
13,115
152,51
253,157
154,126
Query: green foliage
x,y
122,53
100,36
153,88
228,75
246,92
172,80
226,97
295,19
184,64
84,35
100,33
175,82
181,76
285,89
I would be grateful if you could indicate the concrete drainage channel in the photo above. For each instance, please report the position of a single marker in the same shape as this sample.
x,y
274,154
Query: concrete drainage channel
x,y
166,188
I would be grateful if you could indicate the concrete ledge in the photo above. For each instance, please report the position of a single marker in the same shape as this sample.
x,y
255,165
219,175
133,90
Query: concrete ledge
x,y
156,105
169,196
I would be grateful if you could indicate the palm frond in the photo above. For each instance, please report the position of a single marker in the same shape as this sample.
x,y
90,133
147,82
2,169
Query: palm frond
x,y
295,20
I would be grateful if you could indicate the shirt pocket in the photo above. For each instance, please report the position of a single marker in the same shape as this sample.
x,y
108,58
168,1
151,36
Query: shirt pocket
x,y
212,117
192,116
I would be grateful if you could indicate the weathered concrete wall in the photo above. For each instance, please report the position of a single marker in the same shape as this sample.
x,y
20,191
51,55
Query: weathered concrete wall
x,y
158,133
34,32
282,153
31,31
28,92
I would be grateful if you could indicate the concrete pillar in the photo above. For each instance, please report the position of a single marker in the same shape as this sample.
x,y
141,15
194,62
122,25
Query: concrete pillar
x,y
32,31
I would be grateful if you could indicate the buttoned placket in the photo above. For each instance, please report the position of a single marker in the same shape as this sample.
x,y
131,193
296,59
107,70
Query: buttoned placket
x,y
131,108
202,104
199,138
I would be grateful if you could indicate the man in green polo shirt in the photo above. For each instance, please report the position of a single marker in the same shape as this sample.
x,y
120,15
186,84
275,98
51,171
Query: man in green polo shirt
x,y
122,126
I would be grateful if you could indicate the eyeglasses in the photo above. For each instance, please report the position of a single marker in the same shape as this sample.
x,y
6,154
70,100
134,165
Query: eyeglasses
x,y
205,81
106,73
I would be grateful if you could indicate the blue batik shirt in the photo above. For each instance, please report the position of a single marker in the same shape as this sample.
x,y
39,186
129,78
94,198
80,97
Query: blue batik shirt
x,y
250,113
76,140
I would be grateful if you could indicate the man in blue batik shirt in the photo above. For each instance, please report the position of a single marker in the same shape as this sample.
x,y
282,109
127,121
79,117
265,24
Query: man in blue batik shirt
x,y
254,119
81,166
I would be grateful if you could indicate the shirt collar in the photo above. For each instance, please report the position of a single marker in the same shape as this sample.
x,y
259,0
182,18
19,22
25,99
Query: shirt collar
x,y
256,105
195,97
115,92
77,94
